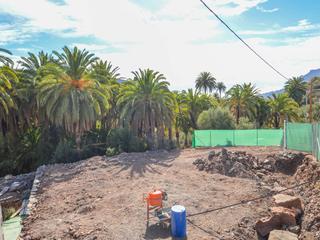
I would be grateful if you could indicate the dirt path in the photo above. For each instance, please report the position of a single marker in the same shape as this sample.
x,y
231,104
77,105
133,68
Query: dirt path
x,y
101,198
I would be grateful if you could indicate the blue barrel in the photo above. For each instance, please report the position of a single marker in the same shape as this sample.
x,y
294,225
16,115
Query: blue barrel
x,y
178,221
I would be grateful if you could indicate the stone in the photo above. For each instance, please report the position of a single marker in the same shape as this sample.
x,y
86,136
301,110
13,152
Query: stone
x,y
265,225
307,236
288,201
287,216
294,229
282,235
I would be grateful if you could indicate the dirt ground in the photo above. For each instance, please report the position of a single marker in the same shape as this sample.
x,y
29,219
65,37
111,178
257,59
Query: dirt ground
x,y
101,198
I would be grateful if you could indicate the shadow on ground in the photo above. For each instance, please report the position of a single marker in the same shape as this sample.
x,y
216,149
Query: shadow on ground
x,y
157,231
141,163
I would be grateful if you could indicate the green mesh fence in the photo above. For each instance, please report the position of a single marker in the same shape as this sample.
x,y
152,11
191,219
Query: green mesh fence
x,y
299,136
251,137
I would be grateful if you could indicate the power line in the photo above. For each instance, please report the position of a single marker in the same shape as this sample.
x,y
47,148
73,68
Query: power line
x,y
247,45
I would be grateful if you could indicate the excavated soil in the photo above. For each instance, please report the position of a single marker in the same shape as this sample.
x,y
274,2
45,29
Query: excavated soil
x,y
101,198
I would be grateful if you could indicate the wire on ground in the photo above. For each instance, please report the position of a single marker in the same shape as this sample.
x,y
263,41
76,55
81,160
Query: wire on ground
x,y
250,200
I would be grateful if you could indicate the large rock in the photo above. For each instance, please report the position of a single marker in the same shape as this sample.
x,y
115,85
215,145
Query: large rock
x,y
265,225
282,235
287,216
288,201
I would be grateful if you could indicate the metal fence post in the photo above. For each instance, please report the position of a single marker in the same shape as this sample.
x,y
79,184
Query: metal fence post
x,y
285,135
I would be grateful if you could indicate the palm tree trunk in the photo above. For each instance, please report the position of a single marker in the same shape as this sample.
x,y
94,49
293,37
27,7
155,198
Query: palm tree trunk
x,y
78,141
238,114
170,134
186,139
178,137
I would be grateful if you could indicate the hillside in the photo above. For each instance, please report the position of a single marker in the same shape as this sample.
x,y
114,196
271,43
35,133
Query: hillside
x,y
307,77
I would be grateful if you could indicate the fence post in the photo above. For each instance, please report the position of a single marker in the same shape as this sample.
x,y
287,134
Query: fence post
x,y
285,135
210,139
257,135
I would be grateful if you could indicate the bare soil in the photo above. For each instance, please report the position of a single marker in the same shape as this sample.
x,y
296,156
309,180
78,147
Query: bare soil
x,y
102,198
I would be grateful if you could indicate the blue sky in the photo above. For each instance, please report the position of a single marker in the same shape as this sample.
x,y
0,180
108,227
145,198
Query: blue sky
x,y
176,37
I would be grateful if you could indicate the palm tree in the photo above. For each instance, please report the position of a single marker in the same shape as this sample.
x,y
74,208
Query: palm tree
x,y
31,74
206,82
147,104
221,88
5,59
296,88
242,99
68,96
182,117
282,107
104,71
196,104
7,77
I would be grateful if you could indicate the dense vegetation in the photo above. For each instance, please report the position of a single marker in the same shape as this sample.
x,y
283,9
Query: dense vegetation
x,y
69,105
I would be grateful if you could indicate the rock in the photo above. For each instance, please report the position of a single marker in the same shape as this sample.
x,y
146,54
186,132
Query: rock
x,y
307,236
211,155
282,235
265,225
287,216
294,229
288,201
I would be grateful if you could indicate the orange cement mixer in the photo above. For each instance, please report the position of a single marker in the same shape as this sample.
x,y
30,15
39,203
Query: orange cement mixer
x,y
154,201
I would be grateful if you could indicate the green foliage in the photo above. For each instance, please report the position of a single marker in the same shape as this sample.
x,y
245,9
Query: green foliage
x,y
112,151
245,123
206,82
65,152
218,118
282,107
124,140
146,102
296,88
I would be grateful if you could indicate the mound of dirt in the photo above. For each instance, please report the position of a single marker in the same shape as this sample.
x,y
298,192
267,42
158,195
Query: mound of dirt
x,y
310,171
244,165
233,164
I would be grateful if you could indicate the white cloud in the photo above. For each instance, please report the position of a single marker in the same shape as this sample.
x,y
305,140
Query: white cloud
x,y
267,10
164,40
302,26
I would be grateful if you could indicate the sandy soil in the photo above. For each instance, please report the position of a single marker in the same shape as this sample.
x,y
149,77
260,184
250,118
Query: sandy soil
x,y
101,198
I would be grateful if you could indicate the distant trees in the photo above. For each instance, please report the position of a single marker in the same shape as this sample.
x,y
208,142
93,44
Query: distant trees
x,y
216,118
68,105
242,99
282,106
221,88
296,88
206,82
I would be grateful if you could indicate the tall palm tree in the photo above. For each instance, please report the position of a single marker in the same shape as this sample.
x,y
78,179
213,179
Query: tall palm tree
x,y
242,99
282,107
206,82
31,74
296,88
68,96
220,88
147,104
104,71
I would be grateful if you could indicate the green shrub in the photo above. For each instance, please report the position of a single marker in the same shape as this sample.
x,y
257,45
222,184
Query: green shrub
x,y
125,141
218,118
244,123
65,152
111,151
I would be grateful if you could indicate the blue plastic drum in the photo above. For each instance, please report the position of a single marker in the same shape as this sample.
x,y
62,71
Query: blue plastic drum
x,y
178,221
